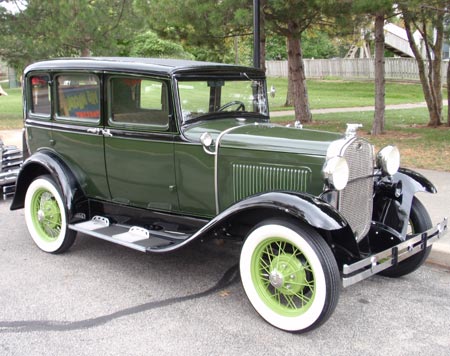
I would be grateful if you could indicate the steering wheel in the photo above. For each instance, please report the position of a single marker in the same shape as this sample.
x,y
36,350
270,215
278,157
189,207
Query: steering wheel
x,y
240,104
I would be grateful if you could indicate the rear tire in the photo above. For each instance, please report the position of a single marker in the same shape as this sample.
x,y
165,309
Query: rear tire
x,y
290,275
419,221
46,216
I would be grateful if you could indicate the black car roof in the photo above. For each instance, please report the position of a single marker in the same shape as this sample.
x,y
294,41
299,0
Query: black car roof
x,y
151,65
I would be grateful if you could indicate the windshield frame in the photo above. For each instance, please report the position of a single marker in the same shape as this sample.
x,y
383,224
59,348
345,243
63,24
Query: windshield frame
x,y
261,103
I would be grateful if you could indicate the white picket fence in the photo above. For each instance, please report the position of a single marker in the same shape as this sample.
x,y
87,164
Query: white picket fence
x,y
354,68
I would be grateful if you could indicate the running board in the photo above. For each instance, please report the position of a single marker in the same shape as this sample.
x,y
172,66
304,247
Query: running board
x,y
134,237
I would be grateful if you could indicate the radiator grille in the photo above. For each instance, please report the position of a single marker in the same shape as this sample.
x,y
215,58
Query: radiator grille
x,y
356,200
252,179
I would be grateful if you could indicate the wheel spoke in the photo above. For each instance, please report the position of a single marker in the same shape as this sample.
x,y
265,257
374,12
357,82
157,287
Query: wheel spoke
x,y
271,252
264,265
281,247
289,301
303,298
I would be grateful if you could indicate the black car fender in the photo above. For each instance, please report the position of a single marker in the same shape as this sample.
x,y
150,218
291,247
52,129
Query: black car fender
x,y
394,196
309,209
414,181
300,207
42,163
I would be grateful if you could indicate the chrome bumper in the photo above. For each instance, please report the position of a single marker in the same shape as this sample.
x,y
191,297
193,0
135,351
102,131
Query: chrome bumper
x,y
374,264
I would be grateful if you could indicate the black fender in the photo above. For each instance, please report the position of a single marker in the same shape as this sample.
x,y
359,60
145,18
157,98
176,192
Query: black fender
x,y
294,206
394,196
415,181
306,207
46,162
237,221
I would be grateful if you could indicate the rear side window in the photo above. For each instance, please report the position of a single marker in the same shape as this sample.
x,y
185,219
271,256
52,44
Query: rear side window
x,y
78,97
40,95
138,101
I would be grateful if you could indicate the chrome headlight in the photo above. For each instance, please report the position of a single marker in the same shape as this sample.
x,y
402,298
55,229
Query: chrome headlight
x,y
388,160
336,172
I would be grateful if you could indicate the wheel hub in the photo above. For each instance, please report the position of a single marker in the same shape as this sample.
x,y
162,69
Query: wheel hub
x,y
40,215
287,274
276,279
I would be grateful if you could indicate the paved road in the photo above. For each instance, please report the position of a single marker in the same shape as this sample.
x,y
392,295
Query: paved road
x,y
104,299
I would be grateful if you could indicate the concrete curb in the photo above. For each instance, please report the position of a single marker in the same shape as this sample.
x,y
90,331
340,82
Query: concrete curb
x,y
438,205
440,255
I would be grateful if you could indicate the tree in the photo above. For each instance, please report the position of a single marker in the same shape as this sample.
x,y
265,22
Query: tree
x,y
203,27
148,44
448,94
378,11
428,20
291,19
380,81
55,28
447,35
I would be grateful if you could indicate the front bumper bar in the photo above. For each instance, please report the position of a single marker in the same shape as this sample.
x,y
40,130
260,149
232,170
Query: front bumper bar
x,y
378,262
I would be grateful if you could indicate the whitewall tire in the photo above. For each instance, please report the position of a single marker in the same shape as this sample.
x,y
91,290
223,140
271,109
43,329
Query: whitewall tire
x,y
290,275
46,216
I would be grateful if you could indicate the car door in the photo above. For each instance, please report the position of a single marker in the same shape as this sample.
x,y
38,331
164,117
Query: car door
x,y
139,142
77,127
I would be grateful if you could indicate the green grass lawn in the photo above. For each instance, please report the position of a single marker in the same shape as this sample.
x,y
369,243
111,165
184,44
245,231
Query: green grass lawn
x,y
11,109
341,94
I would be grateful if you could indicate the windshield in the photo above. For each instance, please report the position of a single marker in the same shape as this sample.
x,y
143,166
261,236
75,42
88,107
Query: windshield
x,y
205,97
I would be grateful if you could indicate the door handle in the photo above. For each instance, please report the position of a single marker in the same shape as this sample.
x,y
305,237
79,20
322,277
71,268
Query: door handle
x,y
107,133
95,130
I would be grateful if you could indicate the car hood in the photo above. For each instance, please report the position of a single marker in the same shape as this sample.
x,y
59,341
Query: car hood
x,y
254,135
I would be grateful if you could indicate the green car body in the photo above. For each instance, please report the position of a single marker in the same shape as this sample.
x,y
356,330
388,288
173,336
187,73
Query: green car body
x,y
153,154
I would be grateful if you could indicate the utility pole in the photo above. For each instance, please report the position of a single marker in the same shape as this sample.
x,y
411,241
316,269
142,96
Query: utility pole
x,y
256,34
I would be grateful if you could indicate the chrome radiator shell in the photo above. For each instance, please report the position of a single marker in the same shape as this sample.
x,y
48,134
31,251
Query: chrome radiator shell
x,y
355,201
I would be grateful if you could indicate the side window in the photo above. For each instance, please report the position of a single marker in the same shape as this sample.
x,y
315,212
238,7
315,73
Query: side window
x,y
138,101
40,95
78,97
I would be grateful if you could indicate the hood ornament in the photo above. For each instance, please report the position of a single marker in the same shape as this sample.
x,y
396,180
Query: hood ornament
x,y
352,129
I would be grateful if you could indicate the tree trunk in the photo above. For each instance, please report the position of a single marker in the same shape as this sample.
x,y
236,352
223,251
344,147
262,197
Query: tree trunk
x,y
290,92
436,80
85,52
378,120
297,69
262,39
428,90
448,94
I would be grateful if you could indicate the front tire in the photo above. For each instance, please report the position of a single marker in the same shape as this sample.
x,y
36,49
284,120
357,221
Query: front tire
x,y
290,275
419,221
46,216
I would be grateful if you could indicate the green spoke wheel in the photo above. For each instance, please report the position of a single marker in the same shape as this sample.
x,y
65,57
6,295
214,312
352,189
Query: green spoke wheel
x,y
46,216
289,275
283,276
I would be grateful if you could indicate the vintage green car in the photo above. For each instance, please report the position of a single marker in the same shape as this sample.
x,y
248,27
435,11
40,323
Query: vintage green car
x,y
153,154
